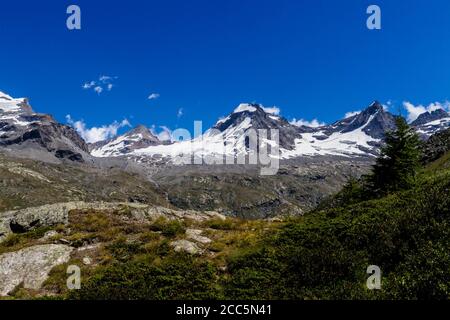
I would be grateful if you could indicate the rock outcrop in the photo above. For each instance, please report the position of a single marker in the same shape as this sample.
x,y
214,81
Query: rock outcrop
x,y
25,220
30,266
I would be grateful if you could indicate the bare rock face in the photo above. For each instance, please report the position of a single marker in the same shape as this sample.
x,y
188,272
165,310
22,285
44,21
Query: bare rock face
x,y
31,266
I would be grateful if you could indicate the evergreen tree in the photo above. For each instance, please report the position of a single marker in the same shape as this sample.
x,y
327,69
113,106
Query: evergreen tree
x,y
399,161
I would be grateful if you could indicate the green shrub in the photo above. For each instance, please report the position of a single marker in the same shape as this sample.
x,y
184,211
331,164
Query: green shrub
x,y
168,228
123,250
177,277
220,224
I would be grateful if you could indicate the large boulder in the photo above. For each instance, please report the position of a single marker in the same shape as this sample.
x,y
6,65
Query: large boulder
x,y
185,246
30,266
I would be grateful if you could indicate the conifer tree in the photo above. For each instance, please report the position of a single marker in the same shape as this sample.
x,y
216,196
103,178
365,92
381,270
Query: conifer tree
x,y
396,167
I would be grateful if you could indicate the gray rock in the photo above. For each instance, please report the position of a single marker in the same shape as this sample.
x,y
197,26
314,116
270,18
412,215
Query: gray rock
x,y
30,266
195,235
186,246
89,247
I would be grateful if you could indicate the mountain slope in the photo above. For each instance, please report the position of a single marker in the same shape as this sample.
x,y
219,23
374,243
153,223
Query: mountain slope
x,y
26,183
437,146
325,254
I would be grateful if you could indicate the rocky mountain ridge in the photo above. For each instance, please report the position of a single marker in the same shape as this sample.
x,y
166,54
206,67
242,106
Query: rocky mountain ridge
x,y
23,130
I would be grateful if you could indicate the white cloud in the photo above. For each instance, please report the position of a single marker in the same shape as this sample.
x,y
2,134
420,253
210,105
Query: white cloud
x,y
96,134
106,79
153,96
99,85
351,114
180,113
88,85
165,134
313,123
387,105
416,111
273,110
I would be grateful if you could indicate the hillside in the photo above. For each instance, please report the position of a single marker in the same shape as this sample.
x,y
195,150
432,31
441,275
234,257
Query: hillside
x,y
322,255
28,183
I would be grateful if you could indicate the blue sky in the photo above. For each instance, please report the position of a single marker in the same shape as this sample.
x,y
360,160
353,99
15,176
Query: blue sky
x,y
310,58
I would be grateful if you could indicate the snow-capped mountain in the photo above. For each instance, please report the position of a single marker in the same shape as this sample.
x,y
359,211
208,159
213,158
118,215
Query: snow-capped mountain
x,y
429,123
24,131
138,138
360,135
374,121
21,129
255,116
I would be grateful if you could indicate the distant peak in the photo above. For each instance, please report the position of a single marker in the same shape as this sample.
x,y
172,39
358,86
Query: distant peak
x,y
142,131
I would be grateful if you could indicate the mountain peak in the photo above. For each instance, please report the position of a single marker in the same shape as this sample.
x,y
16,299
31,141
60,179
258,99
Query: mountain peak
x,y
13,105
137,138
140,135
248,107
374,107
373,120
139,129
